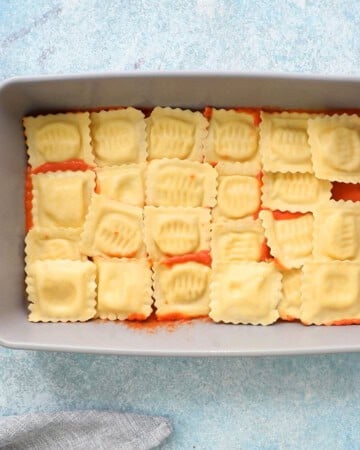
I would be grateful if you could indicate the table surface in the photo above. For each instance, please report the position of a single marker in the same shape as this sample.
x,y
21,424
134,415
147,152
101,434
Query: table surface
x,y
221,403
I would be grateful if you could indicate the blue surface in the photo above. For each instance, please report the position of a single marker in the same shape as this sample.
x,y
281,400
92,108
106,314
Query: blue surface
x,y
249,403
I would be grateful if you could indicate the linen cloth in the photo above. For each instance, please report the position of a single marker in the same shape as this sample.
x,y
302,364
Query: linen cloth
x,y
77,430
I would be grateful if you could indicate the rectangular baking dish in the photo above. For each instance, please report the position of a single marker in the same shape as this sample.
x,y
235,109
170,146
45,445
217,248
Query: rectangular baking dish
x,y
191,90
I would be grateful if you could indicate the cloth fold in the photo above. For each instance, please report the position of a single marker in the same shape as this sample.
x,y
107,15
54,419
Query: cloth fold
x,y
77,430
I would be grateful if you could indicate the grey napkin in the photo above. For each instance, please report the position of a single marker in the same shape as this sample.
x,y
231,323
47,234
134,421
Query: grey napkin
x,y
83,430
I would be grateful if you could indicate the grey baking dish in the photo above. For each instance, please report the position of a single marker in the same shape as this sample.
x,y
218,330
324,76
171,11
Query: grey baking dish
x,y
195,90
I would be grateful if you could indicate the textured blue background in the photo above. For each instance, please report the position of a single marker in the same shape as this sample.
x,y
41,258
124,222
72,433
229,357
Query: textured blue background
x,y
248,403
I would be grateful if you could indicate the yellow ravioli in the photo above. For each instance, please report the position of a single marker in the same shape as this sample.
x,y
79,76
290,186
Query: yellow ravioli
x,y
335,147
113,229
176,231
232,137
53,243
294,192
245,292
58,137
289,306
176,133
331,293
118,136
284,143
290,240
238,196
61,199
182,289
237,241
336,231
61,290
172,182
124,289
123,183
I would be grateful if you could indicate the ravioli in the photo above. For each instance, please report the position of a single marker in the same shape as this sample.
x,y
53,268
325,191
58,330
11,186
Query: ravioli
x,y
335,147
173,182
336,231
181,290
176,231
290,303
124,183
176,133
58,137
52,191
294,192
331,293
284,143
124,289
237,241
61,290
233,136
53,243
118,136
113,229
245,292
290,240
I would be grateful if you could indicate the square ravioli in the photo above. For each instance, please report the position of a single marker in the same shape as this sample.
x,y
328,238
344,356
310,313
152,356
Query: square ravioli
x,y
239,193
173,182
337,231
58,137
237,241
290,303
289,236
176,231
335,147
176,133
330,293
113,229
124,289
233,136
53,243
181,290
126,183
118,136
284,143
61,290
61,199
294,192
245,292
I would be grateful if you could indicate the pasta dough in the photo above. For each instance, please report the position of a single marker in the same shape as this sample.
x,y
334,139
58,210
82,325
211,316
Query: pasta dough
x,y
294,192
53,243
335,147
58,137
290,303
245,292
123,183
176,231
181,290
237,241
172,182
176,133
61,199
331,293
233,136
113,229
336,231
284,143
61,290
124,289
118,136
290,240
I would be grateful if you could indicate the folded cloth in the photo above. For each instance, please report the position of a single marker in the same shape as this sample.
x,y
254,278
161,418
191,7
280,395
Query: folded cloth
x,y
83,430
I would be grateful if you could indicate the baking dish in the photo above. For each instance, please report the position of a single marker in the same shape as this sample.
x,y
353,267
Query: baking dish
x,y
191,90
